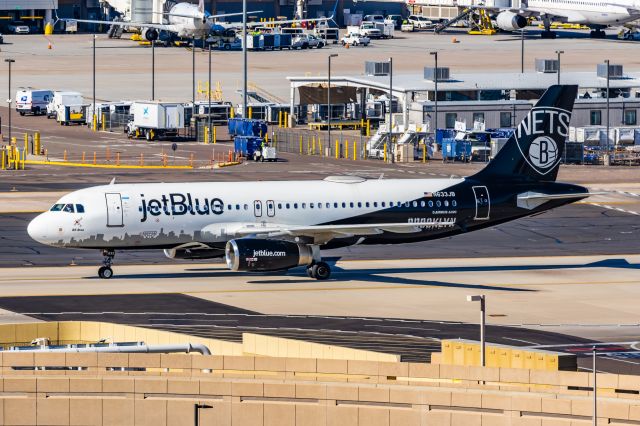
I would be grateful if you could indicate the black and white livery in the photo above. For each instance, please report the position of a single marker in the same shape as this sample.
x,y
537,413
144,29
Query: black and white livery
x,y
273,226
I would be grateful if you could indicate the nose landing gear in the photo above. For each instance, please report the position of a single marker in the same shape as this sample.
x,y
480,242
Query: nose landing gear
x,y
105,272
319,271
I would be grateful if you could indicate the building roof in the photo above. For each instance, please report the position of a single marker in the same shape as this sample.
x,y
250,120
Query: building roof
x,y
475,81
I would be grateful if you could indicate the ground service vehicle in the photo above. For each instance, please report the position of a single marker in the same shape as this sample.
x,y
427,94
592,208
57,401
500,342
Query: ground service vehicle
x,y
355,39
71,114
373,18
370,29
420,22
386,28
32,101
63,98
260,226
397,20
153,120
306,41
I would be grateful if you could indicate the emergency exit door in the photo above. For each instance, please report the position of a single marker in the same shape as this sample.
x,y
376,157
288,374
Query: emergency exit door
x,y
114,210
483,203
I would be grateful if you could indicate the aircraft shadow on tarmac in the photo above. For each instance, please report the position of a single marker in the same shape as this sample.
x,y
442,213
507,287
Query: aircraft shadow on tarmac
x,y
381,275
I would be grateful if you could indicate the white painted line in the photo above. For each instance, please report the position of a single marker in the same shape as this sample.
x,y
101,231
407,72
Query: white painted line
x,y
520,340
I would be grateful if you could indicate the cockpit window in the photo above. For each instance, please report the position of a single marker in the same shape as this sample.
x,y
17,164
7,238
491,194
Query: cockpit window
x,y
68,208
79,208
57,207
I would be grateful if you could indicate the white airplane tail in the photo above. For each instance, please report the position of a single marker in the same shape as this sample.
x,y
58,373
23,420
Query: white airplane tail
x,y
201,6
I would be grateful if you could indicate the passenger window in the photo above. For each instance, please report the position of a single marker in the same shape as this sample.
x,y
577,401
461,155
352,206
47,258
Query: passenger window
x,y
335,205
438,203
359,205
279,206
406,204
384,204
390,203
351,205
288,205
414,204
344,205
79,208
68,208
422,203
237,206
311,205
246,206
366,204
229,207
328,205
304,205
446,203
454,203
430,203
295,205
57,207
375,204
319,205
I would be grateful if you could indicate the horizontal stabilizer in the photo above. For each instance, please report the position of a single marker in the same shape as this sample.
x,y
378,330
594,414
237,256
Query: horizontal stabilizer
x,y
531,200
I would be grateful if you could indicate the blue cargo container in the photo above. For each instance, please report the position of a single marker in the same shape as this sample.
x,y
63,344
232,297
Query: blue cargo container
x,y
246,145
247,127
456,150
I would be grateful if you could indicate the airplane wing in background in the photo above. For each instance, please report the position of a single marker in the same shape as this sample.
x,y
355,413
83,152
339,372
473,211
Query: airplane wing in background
x,y
161,27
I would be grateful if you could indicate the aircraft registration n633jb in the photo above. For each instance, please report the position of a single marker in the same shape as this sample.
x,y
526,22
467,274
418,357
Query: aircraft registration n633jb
x,y
272,226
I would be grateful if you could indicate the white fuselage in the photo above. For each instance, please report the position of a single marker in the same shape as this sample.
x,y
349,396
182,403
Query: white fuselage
x,y
190,23
167,215
594,12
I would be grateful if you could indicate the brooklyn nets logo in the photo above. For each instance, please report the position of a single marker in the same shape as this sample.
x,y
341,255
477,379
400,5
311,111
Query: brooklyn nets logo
x,y
541,135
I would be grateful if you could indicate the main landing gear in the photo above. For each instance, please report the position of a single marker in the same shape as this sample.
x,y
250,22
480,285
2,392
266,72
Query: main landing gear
x,y
597,33
319,270
105,272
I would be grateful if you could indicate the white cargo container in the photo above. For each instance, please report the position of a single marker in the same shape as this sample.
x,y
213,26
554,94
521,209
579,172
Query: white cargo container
x,y
32,101
71,114
387,28
156,119
624,135
63,98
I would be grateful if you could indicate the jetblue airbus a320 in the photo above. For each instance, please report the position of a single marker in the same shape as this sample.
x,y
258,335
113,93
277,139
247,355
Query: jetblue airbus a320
x,y
273,226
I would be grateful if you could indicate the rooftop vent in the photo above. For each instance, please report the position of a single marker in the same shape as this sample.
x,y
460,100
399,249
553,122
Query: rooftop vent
x,y
430,73
547,65
376,68
615,71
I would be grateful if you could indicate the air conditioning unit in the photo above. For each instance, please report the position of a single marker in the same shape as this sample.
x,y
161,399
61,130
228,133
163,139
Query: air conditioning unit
x,y
376,68
547,65
615,71
442,73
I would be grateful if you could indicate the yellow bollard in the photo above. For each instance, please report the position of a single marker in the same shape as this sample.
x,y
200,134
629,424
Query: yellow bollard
x,y
141,159
337,150
64,155
385,152
14,141
355,152
36,142
300,144
103,122
206,135
424,153
2,160
313,145
286,119
231,113
107,154
280,119
95,122
275,140
368,127
26,142
82,157
346,149
250,115
95,158
214,135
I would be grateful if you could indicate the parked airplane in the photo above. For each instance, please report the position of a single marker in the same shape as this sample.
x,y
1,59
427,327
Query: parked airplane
x,y
272,226
186,20
597,14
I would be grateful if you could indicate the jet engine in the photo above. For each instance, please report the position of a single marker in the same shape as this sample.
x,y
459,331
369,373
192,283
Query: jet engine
x,y
257,255
193,253
509,21
150,34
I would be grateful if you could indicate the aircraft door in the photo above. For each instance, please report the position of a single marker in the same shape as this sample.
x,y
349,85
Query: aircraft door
x,y
114,209
271,208
257,208
483,203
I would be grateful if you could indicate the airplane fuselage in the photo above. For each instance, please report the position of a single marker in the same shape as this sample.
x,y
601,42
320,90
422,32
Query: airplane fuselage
x,y
594,12
134,216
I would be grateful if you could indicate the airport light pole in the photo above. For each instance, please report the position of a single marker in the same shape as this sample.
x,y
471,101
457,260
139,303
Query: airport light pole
x,y
333,55
9,61
209,97
244,58
390,145
595,390
607,136
435,128
193,70
559,52
93,119
522,51
153,70
481,299
196,412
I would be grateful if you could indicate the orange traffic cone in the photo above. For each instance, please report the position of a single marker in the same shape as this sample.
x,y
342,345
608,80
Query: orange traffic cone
x,y
49,46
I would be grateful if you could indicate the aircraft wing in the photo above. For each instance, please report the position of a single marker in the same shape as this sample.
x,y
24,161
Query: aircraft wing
x,y
325,233
161,27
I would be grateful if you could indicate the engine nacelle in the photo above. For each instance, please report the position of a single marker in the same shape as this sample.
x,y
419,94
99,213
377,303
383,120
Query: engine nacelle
x,y
193,254
509,21
150,34
254,255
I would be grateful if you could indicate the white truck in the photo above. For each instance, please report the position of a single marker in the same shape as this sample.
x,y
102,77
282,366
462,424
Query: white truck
x,y
71,114
370,29
387,28
152,119
32,101
355,39
63,98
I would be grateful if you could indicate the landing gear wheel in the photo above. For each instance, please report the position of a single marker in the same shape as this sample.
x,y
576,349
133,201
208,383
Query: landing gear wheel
x,y
310,271
321,271
105,272
548,35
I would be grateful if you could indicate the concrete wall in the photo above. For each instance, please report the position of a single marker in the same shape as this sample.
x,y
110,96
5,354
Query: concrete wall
x,y
290,391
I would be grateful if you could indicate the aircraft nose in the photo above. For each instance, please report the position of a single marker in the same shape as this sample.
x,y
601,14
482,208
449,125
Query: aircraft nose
x,y
37,229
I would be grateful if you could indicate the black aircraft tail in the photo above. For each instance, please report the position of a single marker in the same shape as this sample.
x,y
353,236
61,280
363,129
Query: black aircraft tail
x,y
534,150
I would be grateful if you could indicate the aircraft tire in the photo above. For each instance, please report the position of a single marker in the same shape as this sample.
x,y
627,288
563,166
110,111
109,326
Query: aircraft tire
x,y
321,271
105,272
310,273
